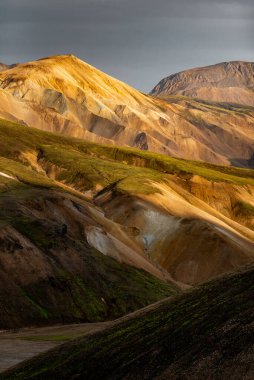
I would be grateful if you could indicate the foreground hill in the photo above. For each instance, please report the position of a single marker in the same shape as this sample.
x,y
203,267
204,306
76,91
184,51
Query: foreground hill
x,y
227,82
207,333
78,219
64,94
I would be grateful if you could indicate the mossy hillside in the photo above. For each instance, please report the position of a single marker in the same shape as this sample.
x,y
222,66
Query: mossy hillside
x,y
51,338
84,171
100,289
107,291
210,322
244,209
23,174
44,238
204,106
6,185
88,164
43,312
176,166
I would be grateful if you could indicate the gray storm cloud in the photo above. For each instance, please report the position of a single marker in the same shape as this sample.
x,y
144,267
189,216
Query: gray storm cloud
x,y
137,41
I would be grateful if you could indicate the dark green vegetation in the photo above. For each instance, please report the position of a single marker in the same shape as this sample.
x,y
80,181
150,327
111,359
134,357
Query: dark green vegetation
x,y
244,209
207,333
52,338
204,105
50,274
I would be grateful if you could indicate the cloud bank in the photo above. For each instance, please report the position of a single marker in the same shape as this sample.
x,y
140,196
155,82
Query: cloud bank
x,y
137,41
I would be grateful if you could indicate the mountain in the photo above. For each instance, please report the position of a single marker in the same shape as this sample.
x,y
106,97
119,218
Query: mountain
x,y
207,333
66,95
3,66
227,82
90,232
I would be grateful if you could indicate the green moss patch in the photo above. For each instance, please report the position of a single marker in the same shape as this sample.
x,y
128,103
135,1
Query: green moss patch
x,y
244,209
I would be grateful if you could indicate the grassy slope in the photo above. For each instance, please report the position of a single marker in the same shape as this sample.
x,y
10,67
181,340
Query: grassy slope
x,y
205,333
88,164
204,105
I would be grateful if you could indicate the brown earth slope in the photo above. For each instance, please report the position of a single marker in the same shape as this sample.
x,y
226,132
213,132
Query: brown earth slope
x,y
191,236
63,94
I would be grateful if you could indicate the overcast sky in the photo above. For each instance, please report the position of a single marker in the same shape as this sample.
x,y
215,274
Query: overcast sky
x,y
137,41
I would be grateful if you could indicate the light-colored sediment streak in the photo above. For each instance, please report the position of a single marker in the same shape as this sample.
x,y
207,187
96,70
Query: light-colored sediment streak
x,y
7,176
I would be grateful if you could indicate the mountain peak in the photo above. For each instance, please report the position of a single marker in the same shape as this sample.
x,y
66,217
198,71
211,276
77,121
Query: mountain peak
x,y
3,66
60,58
231,82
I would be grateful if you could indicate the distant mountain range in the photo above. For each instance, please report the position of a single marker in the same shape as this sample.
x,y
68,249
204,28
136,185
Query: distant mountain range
x,y
63,94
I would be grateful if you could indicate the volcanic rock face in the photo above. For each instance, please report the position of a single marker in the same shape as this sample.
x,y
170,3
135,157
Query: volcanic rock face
x,y
141,141
228,82
64,94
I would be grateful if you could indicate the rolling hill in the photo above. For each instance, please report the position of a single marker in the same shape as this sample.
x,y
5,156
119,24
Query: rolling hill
x,y
64,94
